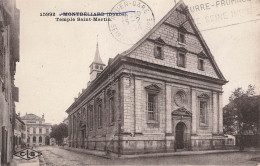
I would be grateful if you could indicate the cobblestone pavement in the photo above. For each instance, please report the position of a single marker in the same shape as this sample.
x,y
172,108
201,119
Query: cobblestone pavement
x,y
55,156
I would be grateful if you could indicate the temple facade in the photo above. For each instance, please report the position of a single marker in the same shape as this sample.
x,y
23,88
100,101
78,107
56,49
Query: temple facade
x,y
161,95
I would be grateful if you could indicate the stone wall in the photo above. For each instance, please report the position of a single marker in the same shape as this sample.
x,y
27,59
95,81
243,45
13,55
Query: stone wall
x,y
169,34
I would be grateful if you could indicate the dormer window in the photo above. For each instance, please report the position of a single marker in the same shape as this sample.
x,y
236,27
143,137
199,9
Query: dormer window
x,y
158,48
201,64
158,52
181,34
96,66
181,38
181,59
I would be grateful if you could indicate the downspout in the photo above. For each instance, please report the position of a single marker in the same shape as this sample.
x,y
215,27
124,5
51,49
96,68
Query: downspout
x,y
165,115
134,107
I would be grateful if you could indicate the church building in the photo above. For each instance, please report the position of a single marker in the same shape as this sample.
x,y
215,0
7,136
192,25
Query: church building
x,y
161,95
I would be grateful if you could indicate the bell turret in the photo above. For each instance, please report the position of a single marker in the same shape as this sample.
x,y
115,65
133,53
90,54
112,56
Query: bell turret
x,y
96,66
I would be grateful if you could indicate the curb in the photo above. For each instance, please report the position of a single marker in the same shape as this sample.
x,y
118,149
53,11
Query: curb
x,y
115,156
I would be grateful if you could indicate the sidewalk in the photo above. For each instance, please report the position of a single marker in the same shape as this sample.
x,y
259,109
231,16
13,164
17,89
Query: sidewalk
x,y
37,161
17,161
180,153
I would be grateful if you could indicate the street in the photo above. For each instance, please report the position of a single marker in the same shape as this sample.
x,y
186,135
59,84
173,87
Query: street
x,y
54,155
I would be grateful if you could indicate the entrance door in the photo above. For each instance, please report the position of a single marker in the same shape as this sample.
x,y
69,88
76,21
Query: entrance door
x,y
83,138
180,131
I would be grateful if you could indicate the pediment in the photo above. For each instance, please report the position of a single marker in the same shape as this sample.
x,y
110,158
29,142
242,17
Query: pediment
x,y
204,96
202,54
181,112
153,88
182,29
160,41
82,123
182,49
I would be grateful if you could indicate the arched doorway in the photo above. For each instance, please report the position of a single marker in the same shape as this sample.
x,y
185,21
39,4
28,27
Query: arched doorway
x,y
180,133
47,140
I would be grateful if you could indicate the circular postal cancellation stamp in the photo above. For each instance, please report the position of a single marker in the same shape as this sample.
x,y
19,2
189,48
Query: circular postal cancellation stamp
x,y
135,20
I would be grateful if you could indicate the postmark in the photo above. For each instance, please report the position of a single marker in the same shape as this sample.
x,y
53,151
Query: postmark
x,y
133,25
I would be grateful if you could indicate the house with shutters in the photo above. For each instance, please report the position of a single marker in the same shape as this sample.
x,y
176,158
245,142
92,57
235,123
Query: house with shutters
x,y
161,95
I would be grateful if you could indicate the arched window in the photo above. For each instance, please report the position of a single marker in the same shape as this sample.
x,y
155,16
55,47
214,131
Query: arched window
x,y
40,139
34,139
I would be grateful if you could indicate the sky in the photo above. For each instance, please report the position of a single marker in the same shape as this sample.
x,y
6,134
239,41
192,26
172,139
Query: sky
x,y
55,56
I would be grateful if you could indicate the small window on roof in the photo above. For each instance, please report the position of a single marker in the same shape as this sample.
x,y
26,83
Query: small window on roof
x,y
181,38
158,52
201,64
181,59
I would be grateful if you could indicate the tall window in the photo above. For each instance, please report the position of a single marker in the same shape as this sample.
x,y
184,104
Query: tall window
x,y
34,130
91,117
40,130
47,131
40,139
111,109
181,59
99,109
34,139
152,103
152,107
203,112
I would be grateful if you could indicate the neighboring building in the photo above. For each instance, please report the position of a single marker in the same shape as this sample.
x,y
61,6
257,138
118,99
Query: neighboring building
x,y
9,55
20,133
162,94
65,140
38,132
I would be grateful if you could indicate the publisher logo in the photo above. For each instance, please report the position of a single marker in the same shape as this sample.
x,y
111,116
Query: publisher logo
x,y
27,154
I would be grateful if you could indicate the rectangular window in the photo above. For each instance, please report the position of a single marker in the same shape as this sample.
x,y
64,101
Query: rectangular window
x,y
100,114
181,59
34,130
203,112
111,110
201,64
40,131
91,117
152,109
181,37
158,52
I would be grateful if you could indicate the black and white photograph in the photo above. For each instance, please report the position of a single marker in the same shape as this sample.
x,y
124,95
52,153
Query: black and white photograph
x,y
129,82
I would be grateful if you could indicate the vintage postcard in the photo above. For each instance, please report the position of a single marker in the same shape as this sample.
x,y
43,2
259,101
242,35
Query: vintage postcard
x,y
130,82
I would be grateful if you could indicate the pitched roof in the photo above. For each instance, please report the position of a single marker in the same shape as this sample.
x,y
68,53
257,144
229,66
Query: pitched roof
x,y
197,32
30,117
97,58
